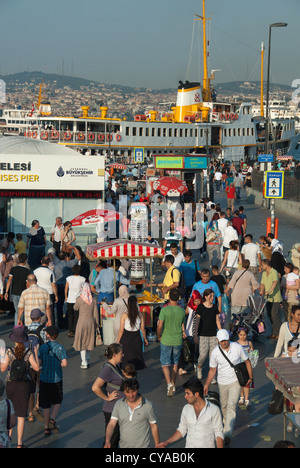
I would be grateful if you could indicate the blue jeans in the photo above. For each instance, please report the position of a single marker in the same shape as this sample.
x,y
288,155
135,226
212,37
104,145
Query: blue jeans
x,y
110,296
169,354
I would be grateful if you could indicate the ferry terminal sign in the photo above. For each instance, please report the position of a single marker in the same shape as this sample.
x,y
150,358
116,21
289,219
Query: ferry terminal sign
x,y
58,173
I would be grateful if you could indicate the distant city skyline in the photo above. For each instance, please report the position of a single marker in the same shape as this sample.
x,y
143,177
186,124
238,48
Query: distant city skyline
x,y
148,44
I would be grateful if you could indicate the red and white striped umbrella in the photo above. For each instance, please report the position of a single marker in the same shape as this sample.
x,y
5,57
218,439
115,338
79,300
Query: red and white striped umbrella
x,y
118,166
95,216
170,186
120,248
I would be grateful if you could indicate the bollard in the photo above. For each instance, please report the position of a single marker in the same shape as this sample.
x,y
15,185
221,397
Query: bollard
x,y
269,227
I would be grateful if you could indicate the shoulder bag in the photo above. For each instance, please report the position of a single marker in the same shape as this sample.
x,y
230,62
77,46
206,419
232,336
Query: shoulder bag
x,y
239,369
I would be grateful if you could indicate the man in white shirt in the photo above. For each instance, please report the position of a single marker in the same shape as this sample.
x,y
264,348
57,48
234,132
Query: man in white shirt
x,y
251,252
56,234
218,179
179,257
222,223
46,280
230,234
229,387
200,422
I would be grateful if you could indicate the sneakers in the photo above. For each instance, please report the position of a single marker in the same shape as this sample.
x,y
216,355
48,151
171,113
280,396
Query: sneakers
x,y
170,390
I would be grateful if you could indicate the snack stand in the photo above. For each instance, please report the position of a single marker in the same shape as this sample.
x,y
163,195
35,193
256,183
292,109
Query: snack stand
x,y
123,248
285,374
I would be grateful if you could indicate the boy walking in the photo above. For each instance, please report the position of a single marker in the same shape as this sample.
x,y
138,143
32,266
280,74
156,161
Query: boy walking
x,y
53,358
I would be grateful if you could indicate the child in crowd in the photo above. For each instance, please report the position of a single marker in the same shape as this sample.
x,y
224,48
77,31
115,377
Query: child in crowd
x,y
291,280
248,347
20,246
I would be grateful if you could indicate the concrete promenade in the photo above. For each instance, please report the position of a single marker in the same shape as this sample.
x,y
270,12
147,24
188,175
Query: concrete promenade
x,y
81,421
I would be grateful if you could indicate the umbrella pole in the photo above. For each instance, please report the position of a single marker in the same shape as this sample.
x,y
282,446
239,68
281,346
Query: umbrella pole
x,y
151,277
115,289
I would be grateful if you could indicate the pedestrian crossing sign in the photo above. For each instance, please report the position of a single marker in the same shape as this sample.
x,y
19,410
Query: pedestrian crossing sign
x,y
274,183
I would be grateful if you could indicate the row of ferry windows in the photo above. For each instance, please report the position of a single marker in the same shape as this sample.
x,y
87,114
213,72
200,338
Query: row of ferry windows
x,y
164,132
228,132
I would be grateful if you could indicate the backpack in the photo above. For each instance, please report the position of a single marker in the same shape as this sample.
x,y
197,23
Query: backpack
x,y
19,371
34,338
182,287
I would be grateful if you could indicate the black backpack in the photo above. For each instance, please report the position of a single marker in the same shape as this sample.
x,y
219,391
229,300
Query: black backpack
x,y
19,371
34,338
182,287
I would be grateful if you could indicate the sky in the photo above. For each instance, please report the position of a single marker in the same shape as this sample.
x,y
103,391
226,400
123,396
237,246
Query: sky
x,y
148,43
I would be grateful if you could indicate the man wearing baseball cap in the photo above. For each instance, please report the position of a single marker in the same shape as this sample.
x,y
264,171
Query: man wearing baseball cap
x,y
229,386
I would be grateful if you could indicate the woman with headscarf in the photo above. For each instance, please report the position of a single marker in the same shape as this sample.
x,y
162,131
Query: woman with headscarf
x,y
88,320
119,307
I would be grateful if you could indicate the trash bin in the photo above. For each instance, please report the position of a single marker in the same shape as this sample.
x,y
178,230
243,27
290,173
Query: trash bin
x,y
108,330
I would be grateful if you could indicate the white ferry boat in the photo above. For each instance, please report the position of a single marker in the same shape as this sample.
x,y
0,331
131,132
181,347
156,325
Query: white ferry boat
x,y
198,123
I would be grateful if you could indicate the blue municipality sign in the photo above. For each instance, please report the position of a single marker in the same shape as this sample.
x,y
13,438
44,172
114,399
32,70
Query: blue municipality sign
x,y
274,183
265,158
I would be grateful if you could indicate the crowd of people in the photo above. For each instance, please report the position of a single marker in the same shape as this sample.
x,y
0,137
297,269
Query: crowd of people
x,y
202,291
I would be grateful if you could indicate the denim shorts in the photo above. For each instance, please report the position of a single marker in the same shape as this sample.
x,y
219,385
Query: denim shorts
x,y
169,354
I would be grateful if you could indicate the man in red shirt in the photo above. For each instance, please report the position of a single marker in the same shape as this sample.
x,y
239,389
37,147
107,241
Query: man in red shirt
x,y
231,196
239,226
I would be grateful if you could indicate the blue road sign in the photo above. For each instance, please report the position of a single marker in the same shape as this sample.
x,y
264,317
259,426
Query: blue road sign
x,y
139,155
274,183
265,158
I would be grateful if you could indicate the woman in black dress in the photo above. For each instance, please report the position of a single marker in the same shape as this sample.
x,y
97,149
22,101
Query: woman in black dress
x,y
132,329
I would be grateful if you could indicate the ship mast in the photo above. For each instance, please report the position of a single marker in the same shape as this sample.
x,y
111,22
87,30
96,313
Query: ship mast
x,y
262,81
206,94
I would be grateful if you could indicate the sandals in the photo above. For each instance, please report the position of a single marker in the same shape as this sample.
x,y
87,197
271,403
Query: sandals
x,y
53,426
31,419
47,431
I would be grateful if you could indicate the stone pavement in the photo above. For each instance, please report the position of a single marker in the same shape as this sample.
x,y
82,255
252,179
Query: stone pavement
x,y
81,421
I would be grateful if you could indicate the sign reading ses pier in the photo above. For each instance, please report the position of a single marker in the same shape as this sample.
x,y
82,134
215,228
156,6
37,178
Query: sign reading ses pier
x,y
274,184
61,174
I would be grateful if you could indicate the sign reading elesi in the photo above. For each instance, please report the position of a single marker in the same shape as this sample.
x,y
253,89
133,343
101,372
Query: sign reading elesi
x,y
40,172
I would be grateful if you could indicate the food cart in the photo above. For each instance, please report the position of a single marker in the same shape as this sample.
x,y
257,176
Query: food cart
x,y
123,248
285,374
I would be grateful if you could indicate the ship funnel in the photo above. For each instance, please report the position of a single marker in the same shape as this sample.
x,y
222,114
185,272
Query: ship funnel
x,y
85,111
188,100
103,112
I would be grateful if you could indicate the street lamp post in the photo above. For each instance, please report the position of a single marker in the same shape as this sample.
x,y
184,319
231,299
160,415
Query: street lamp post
x,y
274,25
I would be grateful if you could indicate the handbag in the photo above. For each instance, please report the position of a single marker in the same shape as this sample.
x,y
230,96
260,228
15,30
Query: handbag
x,y
186,352
240,370
276,404
98,338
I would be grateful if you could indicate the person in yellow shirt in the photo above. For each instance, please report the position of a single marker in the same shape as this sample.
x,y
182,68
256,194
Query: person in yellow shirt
x,y
171,279
20,246
270,288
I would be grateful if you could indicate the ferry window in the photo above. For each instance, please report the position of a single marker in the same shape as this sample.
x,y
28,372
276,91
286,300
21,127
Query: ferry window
x,y
234,132
248,131
164,132
175,132
133,131
180,133
191,132
229,132
158,132
127,131
243,132
196,132
186,132
239,132
147,131
141,131
225,132
170,132
153,132
201,133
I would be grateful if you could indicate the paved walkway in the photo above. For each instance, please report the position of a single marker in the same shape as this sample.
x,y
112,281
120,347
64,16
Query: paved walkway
x,y
81,421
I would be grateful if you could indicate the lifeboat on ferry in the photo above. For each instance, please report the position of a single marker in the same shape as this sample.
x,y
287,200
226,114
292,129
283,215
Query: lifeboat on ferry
x,y
67,136
55,135
101,137
34,135
44,135
91,137
140,118
109,137
118,137
80,136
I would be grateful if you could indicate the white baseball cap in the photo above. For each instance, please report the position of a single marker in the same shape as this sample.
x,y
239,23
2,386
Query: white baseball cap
x,y
223,335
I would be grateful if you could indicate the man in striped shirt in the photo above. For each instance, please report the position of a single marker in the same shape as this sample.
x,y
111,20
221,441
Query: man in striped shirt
x,y
31,298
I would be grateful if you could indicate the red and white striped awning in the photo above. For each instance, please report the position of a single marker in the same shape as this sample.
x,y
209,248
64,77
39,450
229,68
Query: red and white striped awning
x,y
123,249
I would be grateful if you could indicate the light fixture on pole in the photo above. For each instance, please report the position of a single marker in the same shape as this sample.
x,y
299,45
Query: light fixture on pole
x,y
274,25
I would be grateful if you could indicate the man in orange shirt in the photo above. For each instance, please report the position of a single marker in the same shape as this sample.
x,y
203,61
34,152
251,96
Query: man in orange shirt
x,y
231,196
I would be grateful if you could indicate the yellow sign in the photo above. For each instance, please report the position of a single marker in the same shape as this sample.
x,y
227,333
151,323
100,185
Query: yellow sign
x,y
169,162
